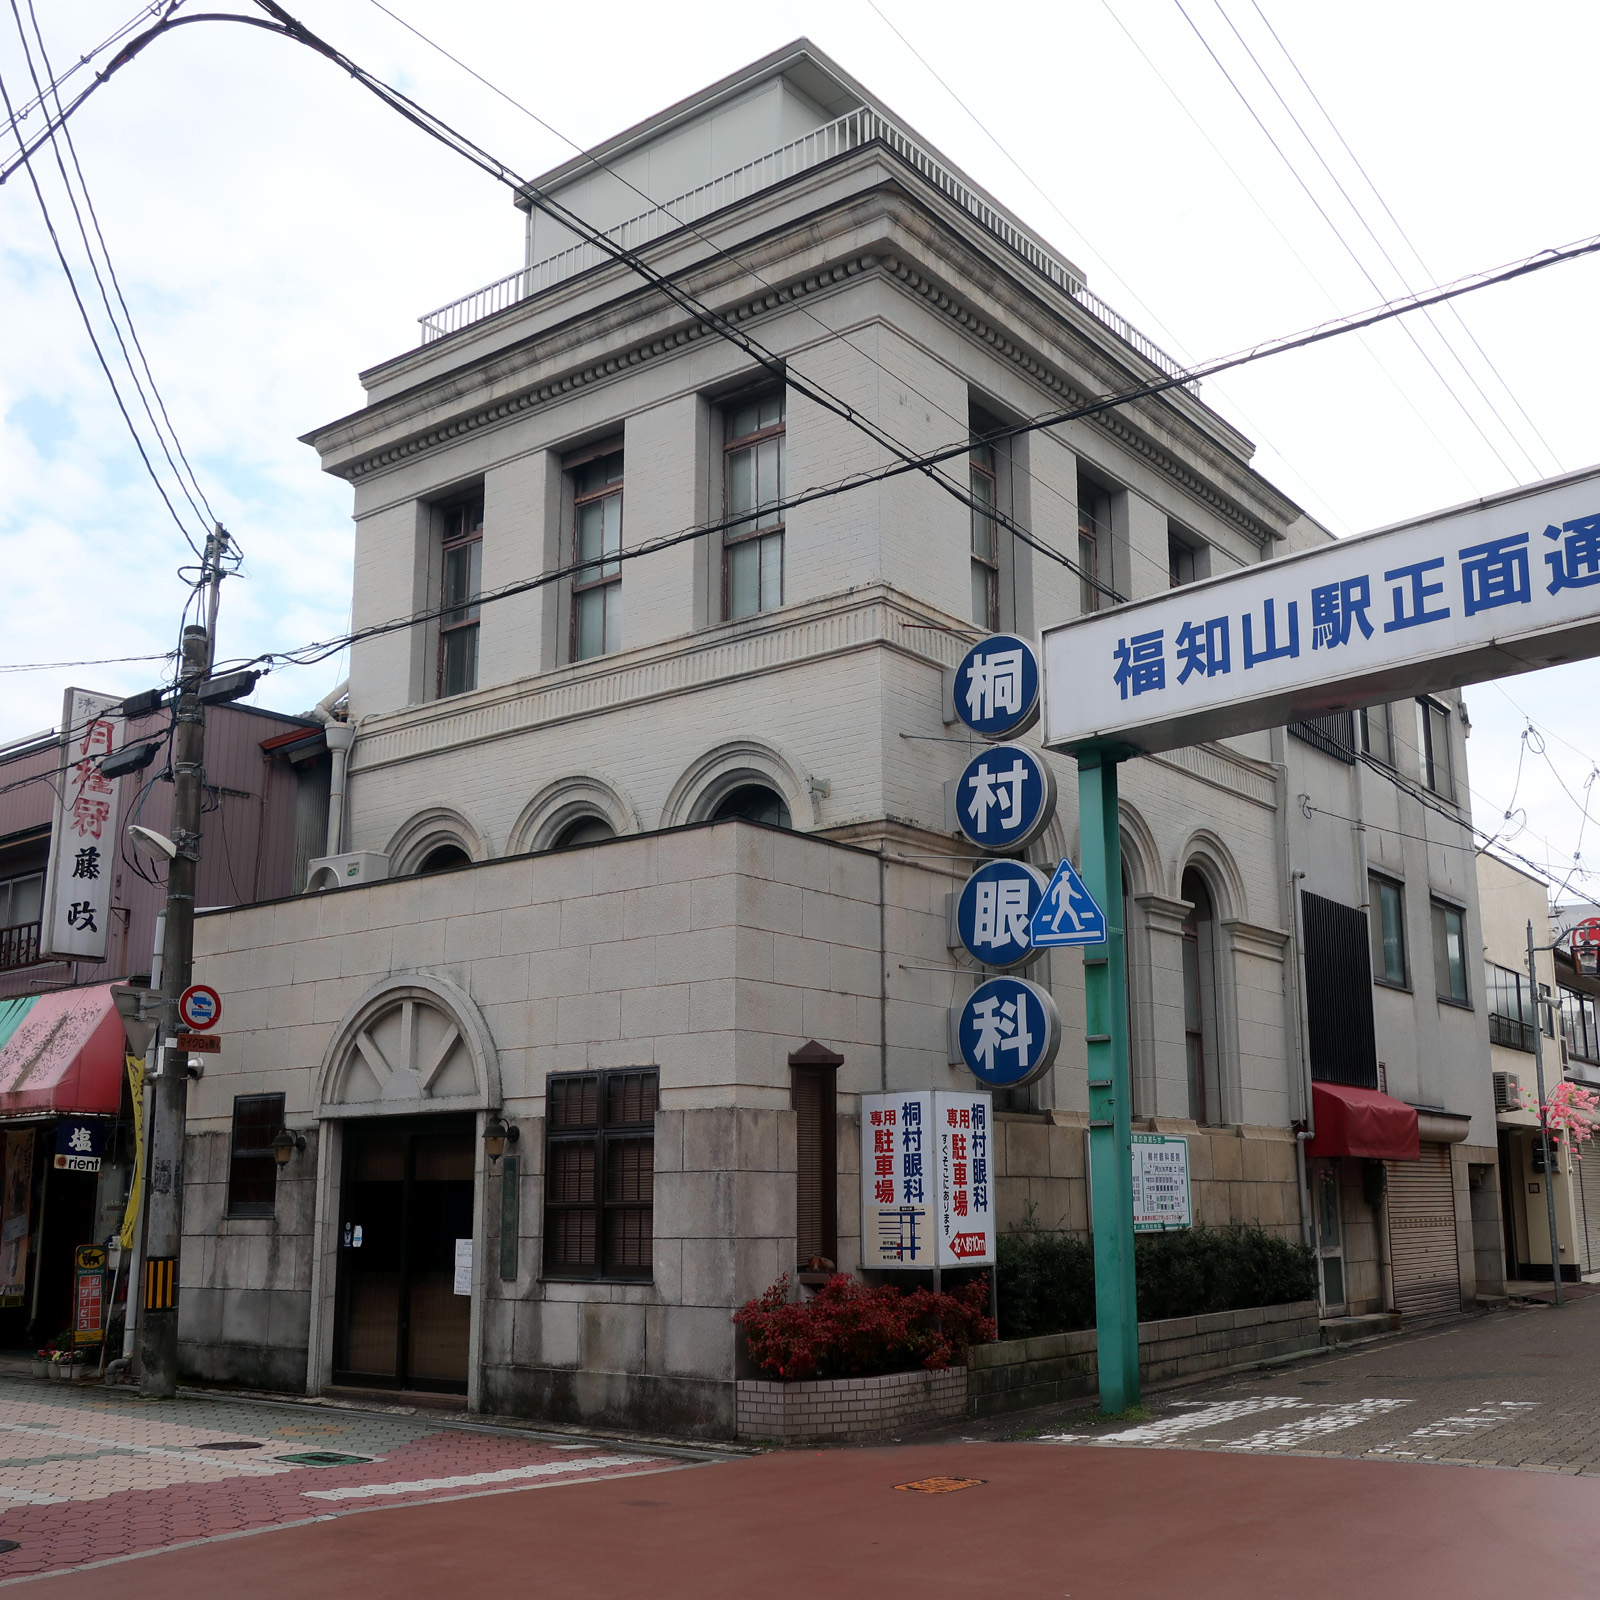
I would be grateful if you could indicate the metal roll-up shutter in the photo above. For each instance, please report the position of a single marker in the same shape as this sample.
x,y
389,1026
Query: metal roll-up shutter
x,y
1589,1209
1422,1235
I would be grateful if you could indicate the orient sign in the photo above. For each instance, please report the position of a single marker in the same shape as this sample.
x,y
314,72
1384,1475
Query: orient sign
x,y
1499,586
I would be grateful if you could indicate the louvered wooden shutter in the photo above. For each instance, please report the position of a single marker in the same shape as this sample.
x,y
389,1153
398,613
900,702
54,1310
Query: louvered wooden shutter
x,y
816,1177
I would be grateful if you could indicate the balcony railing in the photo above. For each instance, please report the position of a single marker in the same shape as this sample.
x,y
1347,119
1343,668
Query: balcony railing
x,y
19,946
849,132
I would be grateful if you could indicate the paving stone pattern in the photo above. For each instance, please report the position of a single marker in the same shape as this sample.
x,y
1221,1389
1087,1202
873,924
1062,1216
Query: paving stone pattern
x,y
90,1474
1517,1388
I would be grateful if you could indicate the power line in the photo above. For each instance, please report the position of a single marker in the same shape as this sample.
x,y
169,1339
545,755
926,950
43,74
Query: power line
x,y
58,666
111,271
309,654
1421,262
1382,248
1360,265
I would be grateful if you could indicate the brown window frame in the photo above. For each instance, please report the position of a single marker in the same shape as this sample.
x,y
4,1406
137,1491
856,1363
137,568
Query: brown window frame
x,y
605,1135
731,539
1094,531
581,586
245,1158
814,1075
462,619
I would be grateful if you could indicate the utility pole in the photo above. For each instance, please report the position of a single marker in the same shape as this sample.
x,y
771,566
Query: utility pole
x,y
1544,1123
158,1345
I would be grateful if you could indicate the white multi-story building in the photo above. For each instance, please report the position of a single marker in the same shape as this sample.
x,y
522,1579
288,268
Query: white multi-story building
x,y
652,852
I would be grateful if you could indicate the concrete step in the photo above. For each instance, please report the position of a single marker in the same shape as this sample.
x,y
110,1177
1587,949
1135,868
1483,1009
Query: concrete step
x,y
1346,1330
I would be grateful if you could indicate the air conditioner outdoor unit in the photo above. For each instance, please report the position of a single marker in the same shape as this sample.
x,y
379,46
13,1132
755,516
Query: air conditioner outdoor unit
x,y
1507,1092
340,872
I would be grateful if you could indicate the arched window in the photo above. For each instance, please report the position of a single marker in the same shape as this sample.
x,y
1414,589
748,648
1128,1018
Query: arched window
x,y
755,802
1200,1000
585,830
444,859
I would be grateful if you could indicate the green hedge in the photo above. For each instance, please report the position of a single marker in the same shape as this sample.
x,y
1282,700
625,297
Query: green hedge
x,y
1047,1279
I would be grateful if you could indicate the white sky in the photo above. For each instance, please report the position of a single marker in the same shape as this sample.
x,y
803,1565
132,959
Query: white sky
x,y
276,230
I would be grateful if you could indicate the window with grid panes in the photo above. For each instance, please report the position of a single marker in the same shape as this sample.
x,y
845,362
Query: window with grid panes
x,y
985,539
1094,535
752,479
462,582
1372,733
597,541
252,1167
1433,748
599,1174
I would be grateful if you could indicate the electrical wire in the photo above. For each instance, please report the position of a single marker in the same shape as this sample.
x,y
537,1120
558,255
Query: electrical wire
x,y
57,666
1334,227
1384,252
1421,262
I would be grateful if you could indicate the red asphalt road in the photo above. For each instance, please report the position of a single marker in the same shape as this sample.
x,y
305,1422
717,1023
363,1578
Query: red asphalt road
x,y
1067,1522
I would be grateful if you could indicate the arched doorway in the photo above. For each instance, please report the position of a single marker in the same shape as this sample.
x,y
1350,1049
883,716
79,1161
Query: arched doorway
x,y
755,802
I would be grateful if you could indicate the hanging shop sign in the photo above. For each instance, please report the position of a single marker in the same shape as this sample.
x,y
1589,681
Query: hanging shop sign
x,y
80,1144
1005,798
1068,914
1007,1033
1160,1182
990,916
898,1187
83,831
1500,586
964,1163
995,688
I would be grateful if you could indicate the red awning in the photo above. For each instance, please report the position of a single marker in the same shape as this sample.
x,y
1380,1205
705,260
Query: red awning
x,y
1362,1122
66,1054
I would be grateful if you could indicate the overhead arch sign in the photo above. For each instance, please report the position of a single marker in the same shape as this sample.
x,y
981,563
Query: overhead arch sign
x,y
1485,590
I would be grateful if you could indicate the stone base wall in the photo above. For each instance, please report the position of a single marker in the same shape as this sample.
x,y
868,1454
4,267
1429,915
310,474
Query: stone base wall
x,y
637,1401
850,1408
1015,1373
1243,1175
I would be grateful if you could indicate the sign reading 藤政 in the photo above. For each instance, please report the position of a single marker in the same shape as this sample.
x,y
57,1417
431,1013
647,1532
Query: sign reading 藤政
x,y
898,1183
1500,586
1160,1182
963,1124
83,831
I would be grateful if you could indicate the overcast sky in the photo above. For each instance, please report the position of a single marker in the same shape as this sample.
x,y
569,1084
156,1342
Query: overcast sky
x,y
275,230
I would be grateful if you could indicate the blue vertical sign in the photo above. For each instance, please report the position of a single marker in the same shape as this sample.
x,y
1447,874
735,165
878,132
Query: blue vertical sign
x,y
992,912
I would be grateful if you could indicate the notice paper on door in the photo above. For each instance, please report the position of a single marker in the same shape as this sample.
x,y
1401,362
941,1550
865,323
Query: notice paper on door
x,y
463,1266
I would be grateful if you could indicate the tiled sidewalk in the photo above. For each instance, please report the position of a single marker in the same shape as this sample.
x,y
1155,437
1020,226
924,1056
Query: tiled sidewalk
x,y
89,1474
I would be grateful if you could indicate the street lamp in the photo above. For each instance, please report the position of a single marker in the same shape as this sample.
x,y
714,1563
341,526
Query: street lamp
x,y
497,1134
285,1144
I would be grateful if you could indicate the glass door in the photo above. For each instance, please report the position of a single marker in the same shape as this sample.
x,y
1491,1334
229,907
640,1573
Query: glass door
x,y
406,1215
1325,1207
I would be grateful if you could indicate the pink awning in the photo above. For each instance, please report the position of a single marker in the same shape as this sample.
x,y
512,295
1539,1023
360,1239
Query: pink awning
x,y
66,1054
1362,1122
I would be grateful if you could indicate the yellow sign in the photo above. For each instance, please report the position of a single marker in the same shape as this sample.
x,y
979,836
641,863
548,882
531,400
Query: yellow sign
x,y
89,1257
130,1217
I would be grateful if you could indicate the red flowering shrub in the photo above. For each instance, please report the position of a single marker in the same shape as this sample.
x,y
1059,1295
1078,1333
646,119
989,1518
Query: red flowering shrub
x,y
847,1330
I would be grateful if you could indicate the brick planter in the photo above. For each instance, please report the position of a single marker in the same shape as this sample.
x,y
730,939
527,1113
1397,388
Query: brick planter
x,y
850,1408
1014,1373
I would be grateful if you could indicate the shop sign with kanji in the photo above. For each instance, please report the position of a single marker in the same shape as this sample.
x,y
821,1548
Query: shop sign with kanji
x,y
1499,586
83,831
899,1184
964,1125
1160,1183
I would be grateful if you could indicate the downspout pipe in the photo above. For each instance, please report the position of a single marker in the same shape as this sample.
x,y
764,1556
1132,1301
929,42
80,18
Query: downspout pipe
x,y
340,736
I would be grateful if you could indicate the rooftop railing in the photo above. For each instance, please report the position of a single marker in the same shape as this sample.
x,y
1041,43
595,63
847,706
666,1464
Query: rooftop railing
x,y
849,132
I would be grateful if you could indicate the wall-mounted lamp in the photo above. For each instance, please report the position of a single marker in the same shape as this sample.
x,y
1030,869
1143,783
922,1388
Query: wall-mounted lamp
x,y
285,1144
497,1134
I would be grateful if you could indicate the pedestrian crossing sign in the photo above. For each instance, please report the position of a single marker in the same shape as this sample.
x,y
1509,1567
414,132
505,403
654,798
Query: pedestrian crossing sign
x,y
1068,913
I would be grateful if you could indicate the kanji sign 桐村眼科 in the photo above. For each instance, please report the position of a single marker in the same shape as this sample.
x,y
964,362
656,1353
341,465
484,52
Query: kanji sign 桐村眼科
x,y
1007,1033
1005,798
995,687
898,1183
991,912
963,1126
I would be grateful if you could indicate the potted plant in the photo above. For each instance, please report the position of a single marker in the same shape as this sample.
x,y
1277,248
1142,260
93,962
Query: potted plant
x,y
42,1360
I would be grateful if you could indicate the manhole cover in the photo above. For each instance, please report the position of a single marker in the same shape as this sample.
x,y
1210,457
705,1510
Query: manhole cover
x,y
325,1458
231,1444
941,1485
7,1545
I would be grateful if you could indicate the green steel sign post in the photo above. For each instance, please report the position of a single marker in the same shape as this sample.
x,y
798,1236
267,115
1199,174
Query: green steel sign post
x,y
1105,982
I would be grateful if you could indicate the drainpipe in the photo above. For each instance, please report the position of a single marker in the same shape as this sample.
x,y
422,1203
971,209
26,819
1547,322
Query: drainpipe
x,y
1288,878
340,737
